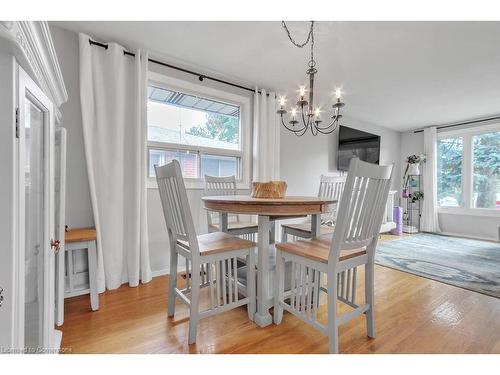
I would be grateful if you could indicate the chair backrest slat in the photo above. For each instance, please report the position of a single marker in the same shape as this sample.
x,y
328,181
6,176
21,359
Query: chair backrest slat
x,y
331,187
175,205
218,186
362,207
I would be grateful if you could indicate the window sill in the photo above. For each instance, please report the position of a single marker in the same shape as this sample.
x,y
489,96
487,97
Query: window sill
x,y
484,212
196,184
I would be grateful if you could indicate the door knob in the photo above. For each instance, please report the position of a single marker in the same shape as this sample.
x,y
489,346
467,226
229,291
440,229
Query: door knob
x,y
56,245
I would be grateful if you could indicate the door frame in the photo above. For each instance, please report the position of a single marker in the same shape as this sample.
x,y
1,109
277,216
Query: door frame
x,y
28,87
61,143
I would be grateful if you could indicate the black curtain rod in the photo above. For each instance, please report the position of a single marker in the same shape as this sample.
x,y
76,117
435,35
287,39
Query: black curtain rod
x,y
200,76
463,123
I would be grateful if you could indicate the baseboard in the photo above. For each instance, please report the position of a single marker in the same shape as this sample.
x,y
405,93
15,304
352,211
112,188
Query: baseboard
x,y
160,273
461,235
77,292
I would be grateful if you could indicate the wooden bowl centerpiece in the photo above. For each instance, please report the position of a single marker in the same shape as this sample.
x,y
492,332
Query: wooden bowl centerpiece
x,y
271,189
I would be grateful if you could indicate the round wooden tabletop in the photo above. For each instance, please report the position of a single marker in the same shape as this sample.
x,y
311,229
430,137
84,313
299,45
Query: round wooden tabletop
x,y
288,206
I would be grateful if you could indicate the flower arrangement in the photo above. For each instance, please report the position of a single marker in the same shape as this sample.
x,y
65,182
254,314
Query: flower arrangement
x,y
413,161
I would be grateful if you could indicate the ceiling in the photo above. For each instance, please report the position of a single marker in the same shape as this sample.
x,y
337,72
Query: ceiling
x,y
400,75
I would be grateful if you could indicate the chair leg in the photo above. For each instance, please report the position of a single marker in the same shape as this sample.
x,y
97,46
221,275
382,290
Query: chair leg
x,y
272,232
279,288
317,290
92,257
284,235
333,329
369,298
172,282
251,293
195,299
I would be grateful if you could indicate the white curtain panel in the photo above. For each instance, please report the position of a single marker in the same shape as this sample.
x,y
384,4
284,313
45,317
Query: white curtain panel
x,y
430,221
113,94
266,138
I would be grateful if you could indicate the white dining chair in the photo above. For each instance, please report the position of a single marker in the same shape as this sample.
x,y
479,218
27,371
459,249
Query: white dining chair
x,y
329,187
213,256
353,244
237,225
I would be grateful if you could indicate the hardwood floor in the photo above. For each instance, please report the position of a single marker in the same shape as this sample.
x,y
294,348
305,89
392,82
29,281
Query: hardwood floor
x,y
413,315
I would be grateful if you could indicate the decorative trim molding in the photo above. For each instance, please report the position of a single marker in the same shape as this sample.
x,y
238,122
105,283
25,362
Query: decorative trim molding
x,y
34,41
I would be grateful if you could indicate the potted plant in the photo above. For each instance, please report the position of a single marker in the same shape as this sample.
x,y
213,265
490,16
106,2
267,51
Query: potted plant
x,y
416,196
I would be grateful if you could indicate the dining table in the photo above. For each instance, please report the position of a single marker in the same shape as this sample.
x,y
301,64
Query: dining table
x,y
268,211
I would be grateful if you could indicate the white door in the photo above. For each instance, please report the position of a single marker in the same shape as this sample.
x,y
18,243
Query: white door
x,y
36,217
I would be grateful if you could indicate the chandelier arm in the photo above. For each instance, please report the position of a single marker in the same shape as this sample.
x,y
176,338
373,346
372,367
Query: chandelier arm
x,y
330,128
323,130
302,133
335,120
306,123
314,129
292,129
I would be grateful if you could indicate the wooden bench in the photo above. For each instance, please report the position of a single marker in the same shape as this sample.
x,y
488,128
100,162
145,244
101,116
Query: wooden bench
x,y
78,239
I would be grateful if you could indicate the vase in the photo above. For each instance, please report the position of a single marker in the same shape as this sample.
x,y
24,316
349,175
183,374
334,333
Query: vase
x,y
406,193
414,169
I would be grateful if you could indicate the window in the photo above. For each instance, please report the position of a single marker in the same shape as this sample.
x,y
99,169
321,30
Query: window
x,y
449,175
200,127
468,169
486,170
187,160
219,165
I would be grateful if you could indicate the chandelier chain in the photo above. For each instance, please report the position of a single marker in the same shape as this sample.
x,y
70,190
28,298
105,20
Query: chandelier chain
x,y
310,37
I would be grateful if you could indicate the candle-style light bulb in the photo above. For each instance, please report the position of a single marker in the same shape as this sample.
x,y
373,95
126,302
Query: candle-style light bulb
x,y
294,112
338,93
316,112
302,91
282,101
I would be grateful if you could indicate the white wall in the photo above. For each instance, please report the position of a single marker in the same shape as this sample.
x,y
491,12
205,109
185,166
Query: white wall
x,y
464,225
78,206
304,159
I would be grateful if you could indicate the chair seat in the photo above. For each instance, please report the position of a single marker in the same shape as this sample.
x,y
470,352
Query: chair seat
x,y
218,242
306,228
317,249
236,225
80,235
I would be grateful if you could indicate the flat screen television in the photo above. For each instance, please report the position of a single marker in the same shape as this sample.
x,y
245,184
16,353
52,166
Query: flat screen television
x,y
356,143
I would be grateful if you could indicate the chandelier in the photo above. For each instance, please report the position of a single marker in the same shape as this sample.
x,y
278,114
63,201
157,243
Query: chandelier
x,y
304,112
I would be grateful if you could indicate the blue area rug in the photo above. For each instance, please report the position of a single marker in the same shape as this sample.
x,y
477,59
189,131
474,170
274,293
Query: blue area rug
x,y
468,264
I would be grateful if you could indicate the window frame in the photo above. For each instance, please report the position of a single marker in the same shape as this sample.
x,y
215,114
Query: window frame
x,y
244,152
467,135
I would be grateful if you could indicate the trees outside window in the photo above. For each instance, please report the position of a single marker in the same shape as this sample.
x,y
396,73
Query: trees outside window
x,y
216,126
468,170
486,169
449,175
